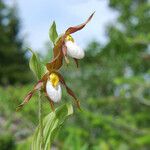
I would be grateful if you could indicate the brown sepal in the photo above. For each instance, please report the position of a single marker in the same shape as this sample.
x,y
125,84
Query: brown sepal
x,y
38,86
64,49
57,60
58,46
69,91
45,76
26,100
56,63
78,27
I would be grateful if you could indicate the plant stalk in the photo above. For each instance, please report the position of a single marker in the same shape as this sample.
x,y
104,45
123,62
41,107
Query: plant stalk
x,y
41,120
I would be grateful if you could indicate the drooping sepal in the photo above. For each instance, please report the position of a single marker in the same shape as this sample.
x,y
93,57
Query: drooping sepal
x,y
69,91
27,98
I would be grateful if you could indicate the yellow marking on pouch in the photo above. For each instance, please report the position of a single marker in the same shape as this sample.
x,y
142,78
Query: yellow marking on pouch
x,y
54,79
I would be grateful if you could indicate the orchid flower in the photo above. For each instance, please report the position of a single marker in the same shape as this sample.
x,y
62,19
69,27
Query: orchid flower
x,y
51,81
51,85
65,45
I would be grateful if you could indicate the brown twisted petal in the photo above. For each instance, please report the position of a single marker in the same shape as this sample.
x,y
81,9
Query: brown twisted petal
x,y
56,63
78,27
45,76
64,49
69,91
58,46
38,86
57,60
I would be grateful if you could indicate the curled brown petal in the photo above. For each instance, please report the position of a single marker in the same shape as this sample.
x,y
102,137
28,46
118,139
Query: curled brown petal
x,y
57,60
26,100
78,27
69,91
64,50
58,46
38,85
30,94
45,77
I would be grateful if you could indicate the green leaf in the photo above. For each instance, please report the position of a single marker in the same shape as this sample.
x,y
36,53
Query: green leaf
x,y
53,32
36,65
51,125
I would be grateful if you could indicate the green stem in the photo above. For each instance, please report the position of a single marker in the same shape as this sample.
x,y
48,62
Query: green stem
x,y
41,120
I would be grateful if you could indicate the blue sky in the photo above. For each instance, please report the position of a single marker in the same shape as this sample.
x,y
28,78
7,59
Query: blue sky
x,y
37,16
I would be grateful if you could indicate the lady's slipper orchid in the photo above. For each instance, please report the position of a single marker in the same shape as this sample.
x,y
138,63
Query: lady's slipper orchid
x,y
65,45
50,84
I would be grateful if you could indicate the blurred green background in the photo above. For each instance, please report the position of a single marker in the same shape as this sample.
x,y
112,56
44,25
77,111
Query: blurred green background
x,y
113,84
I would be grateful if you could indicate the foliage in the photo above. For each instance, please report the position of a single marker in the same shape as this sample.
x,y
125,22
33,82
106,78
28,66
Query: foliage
x,y
24,145
13,61
7,142
51,125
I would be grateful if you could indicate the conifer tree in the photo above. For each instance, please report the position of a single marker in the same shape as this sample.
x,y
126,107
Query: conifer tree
x,y
13,61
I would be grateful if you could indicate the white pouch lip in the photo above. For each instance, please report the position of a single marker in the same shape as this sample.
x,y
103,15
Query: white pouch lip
x,y
54,93
73,50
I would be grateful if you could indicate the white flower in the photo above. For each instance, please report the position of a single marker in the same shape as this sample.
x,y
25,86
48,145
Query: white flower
x,y
73,50
53,88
